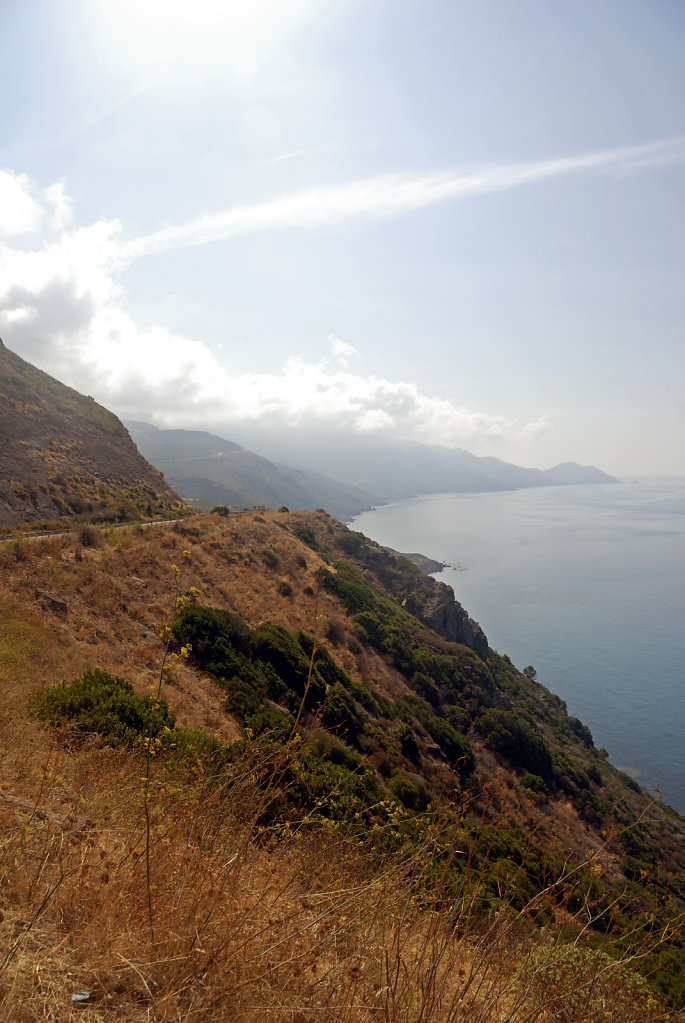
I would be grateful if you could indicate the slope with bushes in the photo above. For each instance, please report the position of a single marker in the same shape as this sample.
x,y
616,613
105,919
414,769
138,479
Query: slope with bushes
x,y
243,775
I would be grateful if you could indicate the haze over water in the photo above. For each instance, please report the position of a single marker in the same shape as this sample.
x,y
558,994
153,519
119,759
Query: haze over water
x,y
587,584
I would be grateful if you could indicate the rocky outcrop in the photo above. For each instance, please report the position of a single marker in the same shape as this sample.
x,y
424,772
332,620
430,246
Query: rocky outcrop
x,y
49,602
445,615
432,602
426,565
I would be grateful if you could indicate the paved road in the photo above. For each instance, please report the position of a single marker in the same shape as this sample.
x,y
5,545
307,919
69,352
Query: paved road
x,y
40,534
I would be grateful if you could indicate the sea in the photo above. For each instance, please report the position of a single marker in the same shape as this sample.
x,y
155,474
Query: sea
x,y
587,584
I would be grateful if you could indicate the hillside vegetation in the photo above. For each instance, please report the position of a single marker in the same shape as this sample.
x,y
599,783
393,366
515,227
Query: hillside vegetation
x,y
64,456
256,767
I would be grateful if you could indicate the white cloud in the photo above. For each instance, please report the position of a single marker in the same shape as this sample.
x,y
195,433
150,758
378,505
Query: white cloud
x,y
60,307
20,213
310,394
536,428
342,351
23,205
393,195
62,205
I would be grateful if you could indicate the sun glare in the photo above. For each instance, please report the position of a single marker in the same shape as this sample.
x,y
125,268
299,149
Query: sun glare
x,y
172,37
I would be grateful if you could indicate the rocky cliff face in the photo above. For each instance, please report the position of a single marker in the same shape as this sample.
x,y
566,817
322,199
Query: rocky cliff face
x,y
432,602
445,615
62,454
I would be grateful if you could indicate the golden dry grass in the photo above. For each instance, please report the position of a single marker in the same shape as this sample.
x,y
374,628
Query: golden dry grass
x,y
247,926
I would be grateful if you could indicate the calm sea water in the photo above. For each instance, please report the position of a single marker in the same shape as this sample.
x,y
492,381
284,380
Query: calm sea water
x,y
587,583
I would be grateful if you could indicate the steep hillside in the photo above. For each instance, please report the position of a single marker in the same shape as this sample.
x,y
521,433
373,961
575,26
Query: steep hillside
x,y
210,471
353,806
63,455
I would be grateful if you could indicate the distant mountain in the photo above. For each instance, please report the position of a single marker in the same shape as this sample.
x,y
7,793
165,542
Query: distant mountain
x,y
397,469
343,473
209,470
62,454
571,472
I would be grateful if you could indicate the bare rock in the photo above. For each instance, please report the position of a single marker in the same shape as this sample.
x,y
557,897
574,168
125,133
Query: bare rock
x,y
442,613
52,603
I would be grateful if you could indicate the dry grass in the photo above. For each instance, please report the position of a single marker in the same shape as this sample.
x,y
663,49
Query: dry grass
x,y
248,926
299,925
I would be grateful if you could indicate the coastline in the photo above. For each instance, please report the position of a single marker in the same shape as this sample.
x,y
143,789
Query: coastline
x,y
559,576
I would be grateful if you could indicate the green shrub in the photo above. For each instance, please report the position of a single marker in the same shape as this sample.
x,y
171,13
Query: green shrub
x,y
270,720
102,703
278,647
426,688
459,718
244,697
306,535
325,666
569,775
366,698
581,731
455,747
532,782
408,792
269,557
339,714
438,676
407,740
351,542
89,536
333,781
220,641
507,733
358,595
269,660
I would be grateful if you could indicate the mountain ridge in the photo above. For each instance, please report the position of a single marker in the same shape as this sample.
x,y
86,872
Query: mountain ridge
x,y
347,476
209,470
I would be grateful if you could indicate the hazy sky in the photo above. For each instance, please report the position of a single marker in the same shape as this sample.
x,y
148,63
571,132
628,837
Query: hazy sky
x,y
455,221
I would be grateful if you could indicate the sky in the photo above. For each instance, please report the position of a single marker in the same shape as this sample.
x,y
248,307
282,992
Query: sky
x,y
456,222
